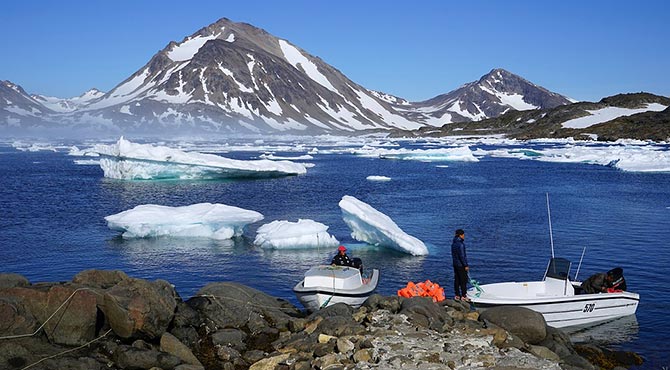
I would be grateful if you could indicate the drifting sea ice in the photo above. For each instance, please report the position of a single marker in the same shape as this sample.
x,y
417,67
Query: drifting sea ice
x,y
632,158
132,161
373,227
457,154
294,235
202,220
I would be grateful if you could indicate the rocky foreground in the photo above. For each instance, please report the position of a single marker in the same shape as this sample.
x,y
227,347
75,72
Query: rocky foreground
x,y
107,320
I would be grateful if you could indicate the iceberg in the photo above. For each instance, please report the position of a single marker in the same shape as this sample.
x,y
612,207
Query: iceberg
x,y
294,235
202,220
457,154
373,227
132,161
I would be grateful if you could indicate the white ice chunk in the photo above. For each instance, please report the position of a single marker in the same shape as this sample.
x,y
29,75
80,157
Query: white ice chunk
x,y
373,227
202,220
294,235
132,161
378,178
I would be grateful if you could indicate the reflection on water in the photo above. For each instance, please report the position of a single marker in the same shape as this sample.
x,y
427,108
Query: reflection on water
x,y
621,330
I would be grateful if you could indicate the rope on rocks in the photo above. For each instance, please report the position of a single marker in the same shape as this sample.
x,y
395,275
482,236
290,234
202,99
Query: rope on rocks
x,y
50,317
68,351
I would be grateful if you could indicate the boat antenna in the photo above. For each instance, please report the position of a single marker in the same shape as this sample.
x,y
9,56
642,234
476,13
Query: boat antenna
x,y
580,263
551,235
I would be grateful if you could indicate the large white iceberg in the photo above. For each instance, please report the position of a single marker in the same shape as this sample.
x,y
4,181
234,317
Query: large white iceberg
x,y
294,235
132,161
373,227
202,220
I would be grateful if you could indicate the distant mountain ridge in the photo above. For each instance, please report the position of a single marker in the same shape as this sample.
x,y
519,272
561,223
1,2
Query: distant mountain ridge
x,y
233,77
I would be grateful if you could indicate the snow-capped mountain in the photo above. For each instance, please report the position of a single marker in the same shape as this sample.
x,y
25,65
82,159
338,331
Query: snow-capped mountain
x,y
235,78
70,104
18,109
493,94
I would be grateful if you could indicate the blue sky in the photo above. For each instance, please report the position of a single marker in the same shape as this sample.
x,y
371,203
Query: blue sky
x,y
583,49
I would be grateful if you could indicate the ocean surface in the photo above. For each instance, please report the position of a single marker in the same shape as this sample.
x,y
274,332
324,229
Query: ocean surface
x,y
52,225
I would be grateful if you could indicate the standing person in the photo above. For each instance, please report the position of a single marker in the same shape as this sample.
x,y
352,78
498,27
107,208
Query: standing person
x,y
461,268
341,258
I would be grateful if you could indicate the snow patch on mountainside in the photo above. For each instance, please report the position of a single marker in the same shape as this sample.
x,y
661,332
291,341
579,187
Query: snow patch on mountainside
x,y
295,57
187,49
608,114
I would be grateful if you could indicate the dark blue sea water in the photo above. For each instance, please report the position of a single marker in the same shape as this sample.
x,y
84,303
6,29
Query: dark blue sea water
x,y
52,226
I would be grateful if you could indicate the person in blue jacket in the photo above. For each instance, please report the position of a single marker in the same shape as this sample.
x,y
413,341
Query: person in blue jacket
x,y
461,268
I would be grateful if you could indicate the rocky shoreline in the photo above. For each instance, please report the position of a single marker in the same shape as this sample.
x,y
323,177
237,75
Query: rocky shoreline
x,y
105,319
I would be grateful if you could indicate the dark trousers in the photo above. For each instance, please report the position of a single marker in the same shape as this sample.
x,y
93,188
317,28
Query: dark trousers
x,y
460,281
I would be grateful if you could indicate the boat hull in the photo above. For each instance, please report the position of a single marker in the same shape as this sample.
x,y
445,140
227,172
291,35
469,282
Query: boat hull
x,y
565,311
314,298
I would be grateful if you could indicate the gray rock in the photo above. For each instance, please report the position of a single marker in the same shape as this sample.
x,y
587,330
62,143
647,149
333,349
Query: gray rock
x,y
9,280
254,356
69,363
338,326
338,309
228,354
172,345
230,305
127,357
379,302
139,308
233,338
527,324
425,313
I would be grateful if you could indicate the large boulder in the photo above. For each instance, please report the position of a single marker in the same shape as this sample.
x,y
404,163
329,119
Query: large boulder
x,y
15,319
101,279
233,305
137,308
526,324
69,313
9,280
74,323
422,311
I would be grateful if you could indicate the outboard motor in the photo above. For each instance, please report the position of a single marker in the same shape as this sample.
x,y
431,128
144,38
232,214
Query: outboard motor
x,y
617,281
357,263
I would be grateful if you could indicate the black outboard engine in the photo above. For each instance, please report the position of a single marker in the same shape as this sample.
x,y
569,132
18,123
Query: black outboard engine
x,y
357,263
617,281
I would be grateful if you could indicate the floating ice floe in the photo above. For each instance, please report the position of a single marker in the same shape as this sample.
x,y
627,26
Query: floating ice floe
x,y
632,158
294,235
378,178
457,154
373,227
132,161
202,220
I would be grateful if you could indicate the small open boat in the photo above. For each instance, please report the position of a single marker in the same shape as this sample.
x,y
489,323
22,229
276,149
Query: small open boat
x,y
561,302
326,285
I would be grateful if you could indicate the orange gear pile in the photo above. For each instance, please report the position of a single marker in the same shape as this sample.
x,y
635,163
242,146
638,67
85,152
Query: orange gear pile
x,y
423,289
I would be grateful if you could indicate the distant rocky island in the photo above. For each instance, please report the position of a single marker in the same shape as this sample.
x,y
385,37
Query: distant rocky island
x,y
652,125
104,319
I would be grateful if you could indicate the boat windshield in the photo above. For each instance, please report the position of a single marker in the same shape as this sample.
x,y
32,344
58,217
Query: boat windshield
x,y
559,268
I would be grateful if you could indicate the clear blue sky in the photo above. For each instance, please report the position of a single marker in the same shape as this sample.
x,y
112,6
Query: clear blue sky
x,y
583,49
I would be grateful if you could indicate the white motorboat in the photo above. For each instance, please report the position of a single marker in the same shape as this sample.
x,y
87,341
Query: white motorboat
x,y
326,285
562,302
